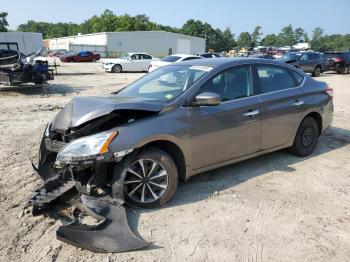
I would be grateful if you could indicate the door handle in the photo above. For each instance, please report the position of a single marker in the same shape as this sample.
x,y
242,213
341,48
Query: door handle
x,y
298,103
252,113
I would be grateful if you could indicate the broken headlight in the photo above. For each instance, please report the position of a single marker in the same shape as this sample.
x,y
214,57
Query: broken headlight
x,y
87,148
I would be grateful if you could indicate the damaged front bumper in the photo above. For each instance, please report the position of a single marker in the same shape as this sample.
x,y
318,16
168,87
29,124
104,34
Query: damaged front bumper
x,y
90,188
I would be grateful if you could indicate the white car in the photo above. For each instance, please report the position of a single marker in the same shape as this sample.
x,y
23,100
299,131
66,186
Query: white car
x,y
131,62
170,60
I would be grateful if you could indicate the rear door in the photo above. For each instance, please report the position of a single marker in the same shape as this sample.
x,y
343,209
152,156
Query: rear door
x,y
231,129
281,104
145,62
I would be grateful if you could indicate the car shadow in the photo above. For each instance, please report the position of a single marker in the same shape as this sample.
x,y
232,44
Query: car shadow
x,y
28,89
205,185
75,74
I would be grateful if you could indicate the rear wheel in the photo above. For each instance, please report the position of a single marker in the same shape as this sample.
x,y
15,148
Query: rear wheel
x,y
151,179
116,69
317,71
306,138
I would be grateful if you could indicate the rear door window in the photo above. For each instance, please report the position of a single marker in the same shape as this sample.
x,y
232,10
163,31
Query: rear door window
x,y
274,78
314,56
146,57
298,78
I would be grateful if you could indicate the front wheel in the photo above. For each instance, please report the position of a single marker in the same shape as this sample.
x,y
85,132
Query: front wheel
x,y
306,138
151,179
116,69
317,71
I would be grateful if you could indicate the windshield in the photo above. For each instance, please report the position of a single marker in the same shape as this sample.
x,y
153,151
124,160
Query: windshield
x,y
166,83
171,58
291,56
125,56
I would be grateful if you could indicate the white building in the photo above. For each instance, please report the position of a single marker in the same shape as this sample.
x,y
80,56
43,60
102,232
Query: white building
x,y
26,43
302,46
113,44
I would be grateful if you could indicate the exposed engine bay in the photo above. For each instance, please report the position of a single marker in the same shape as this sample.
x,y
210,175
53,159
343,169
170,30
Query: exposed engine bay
x,y
16,68
91,185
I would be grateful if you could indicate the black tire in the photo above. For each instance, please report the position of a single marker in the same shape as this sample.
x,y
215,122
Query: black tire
x,y
317,71
116,69
306,138
346,70
165,163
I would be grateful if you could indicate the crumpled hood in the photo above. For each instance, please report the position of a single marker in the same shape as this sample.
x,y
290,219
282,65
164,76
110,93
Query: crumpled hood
x,y
83,109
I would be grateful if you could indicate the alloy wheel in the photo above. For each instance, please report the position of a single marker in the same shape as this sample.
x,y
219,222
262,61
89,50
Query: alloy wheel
x,y
317,71
307,137
146,181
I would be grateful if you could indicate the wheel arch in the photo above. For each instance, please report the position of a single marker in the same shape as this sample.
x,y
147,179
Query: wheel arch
x,y
317,116
121,67
174,151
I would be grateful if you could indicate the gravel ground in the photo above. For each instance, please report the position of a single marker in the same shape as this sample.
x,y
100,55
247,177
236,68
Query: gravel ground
x,y
273,208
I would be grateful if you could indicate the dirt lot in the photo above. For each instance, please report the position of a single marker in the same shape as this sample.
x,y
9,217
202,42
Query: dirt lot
x,y
274,208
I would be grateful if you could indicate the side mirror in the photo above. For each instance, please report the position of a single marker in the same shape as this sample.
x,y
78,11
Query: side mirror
x,y
207,99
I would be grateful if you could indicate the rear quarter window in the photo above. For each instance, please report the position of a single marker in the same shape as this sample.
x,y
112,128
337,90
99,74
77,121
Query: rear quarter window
x,y
297,78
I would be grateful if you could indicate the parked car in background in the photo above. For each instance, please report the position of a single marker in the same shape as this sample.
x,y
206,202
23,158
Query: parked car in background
x,y
337,61
264,56
170,60
214,113
82,56
59,53
130,62
309,62
209,55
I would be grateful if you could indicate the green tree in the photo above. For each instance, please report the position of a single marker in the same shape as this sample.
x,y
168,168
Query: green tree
x,y
269,40
228,40
317,41
286,37
256,36
299,35
244,40
3,22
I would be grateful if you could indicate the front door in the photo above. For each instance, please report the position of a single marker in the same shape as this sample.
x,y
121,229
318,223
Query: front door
x,y
135,63
305,63
231,129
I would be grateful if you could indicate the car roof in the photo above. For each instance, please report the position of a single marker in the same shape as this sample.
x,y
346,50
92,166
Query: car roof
x,y
229,61
140,53
183,55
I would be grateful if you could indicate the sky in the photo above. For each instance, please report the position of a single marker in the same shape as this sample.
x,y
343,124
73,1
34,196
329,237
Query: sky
x,y
243,15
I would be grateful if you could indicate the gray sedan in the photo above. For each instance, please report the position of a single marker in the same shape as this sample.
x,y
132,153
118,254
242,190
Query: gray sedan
x,y
182,120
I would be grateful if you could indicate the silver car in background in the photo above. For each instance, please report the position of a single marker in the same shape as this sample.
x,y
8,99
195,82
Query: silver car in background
x,y
181,120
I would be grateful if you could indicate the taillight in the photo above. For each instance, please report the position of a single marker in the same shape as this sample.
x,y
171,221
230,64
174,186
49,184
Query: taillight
x,y
329,92
338,59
